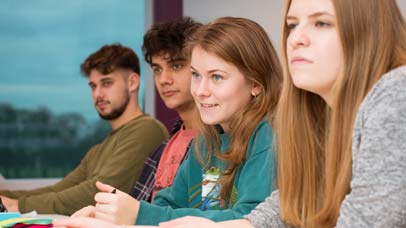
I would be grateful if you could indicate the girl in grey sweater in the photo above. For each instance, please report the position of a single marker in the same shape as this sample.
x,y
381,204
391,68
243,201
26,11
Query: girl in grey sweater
x,y
341,121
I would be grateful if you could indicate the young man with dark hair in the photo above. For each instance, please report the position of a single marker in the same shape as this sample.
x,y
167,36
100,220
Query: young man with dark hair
x,y
164,49
113,77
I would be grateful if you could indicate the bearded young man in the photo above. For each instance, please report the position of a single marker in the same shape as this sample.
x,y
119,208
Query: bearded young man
x,y
113,77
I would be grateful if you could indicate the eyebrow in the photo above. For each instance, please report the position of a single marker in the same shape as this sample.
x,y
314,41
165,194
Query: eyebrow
x,y
177,59
106,79
317,14
155,65
210,71
101,80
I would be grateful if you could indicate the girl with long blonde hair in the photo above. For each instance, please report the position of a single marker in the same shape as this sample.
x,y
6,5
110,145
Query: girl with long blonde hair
x,y
341,119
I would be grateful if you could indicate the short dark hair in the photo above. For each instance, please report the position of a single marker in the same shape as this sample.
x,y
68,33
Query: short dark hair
x,y
168,37
109,58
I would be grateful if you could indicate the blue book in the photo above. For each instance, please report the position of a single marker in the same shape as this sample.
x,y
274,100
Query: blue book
x,y
9,215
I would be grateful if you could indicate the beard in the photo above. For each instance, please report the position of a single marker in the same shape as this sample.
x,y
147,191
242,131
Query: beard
x,y
116,112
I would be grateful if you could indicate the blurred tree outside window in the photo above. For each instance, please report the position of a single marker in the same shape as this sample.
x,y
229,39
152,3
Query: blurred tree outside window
x,y
47,118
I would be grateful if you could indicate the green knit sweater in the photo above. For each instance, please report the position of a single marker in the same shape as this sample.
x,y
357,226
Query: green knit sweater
x,y
117,161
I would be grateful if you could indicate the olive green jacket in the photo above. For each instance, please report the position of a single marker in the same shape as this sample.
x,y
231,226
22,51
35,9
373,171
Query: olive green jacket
x,y
117,161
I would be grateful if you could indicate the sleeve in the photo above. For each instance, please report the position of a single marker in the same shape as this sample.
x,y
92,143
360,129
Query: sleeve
x,y
144,186
69,198
267,214
120,169
74,177
173,201
378,185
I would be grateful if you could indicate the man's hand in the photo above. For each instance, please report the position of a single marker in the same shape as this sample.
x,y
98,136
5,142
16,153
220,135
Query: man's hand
x,y
10,204
115,206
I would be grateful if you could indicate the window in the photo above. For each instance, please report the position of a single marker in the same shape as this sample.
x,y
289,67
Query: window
x,y
47,119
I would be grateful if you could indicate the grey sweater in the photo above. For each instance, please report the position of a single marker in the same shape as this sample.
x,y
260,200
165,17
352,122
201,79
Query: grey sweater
x,y
378,185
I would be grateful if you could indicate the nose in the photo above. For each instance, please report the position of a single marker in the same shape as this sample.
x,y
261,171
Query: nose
x,y
298,37
200,88
165,78
97,93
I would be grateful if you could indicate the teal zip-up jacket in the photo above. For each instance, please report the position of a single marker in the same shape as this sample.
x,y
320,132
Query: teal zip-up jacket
x,y
254,181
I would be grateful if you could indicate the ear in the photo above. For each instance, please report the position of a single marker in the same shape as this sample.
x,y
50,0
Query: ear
x,y
256,89
133,82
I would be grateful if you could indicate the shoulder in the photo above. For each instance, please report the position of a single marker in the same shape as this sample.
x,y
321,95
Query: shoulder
x,y
262,138
93,151
267,214
394,78
385,103
263,130
380,126
145,124
145,120
390,90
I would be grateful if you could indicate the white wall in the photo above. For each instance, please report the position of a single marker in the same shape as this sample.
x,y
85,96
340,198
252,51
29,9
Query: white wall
x,y
402,5
268,13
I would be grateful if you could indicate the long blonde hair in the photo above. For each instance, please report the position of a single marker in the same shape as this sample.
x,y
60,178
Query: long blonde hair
x,y
246,45
314,141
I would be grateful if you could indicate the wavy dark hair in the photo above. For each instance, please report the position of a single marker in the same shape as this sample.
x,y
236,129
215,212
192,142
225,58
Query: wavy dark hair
x,y
168,37
109,58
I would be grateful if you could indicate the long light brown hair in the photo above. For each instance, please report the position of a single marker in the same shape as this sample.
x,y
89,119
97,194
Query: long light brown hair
x,y
244,44
313,140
